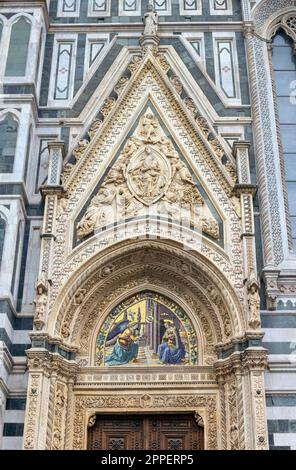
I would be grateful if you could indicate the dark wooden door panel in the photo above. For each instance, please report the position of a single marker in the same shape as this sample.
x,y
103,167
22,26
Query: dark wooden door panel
x,y
149,432
116,433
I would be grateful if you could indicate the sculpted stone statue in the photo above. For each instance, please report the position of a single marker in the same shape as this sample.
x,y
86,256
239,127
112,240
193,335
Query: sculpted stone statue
x,y
150,21
40,303
254,302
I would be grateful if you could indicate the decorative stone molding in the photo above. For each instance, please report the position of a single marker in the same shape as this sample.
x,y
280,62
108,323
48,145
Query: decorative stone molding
x,y
267,9
288,24
268,17
205,405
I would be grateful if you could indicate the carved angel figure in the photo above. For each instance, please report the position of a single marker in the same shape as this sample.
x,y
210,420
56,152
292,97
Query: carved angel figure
x,y
149,127
150,21
96,213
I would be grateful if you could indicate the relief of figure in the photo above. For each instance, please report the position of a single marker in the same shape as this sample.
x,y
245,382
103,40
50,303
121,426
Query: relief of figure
x,y
147,175
150,128
116,174
126,201
182,175
60,399
171,350
150,21
131,147
126,347
96,213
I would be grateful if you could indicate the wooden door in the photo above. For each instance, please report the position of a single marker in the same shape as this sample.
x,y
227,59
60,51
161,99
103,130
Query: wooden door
x,y
148,432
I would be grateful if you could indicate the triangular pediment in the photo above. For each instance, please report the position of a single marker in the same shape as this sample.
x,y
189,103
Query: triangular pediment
x,y
172,85
148,178
136,157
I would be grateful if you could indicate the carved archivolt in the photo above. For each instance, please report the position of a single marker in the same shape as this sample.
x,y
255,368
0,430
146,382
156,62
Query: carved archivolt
x,y
204,293
288,24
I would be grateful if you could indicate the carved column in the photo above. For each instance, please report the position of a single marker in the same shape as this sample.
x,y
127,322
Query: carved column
x,y
226,377
70,414
48,395
241,383
254,364
275,243
37,402
51,192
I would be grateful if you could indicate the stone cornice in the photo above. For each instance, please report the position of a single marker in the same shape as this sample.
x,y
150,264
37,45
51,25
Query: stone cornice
x,y
41,360
250,359
165,28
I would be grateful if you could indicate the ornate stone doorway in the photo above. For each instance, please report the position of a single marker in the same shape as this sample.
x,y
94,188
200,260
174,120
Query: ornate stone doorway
x,y
146,432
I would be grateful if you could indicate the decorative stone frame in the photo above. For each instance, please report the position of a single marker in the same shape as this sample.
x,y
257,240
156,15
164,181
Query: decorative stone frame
x,y
281,23
36,21
203,406
62,400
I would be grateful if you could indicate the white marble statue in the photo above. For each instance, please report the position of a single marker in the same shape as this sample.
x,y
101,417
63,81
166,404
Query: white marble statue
x,y
150,21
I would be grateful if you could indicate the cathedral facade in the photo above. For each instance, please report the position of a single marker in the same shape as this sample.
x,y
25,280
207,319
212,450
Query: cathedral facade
x,y
148,224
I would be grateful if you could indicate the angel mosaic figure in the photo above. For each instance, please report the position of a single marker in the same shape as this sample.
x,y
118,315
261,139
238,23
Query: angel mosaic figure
x,y
126,347
171,350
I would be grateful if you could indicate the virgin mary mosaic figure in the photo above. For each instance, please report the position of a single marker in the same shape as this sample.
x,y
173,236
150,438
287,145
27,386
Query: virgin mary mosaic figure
x,y
171,350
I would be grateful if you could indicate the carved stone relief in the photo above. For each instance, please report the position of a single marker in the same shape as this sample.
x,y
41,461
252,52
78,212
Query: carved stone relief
x,y
148,172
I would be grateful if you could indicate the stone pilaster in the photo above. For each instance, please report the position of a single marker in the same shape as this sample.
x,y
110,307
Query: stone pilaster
x,y
241,384
56,155
254,364
246,191
50,376
51,192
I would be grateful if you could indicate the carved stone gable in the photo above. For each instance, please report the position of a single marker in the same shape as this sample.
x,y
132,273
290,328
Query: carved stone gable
x,y
148,173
